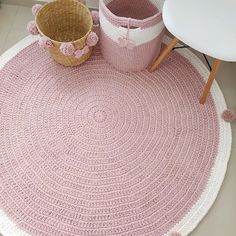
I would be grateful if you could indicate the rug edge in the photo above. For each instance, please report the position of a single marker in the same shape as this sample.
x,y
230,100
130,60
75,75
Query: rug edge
x,y
209,195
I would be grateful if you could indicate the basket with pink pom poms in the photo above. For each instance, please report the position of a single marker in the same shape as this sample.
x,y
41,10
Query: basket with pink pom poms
x,y
66,30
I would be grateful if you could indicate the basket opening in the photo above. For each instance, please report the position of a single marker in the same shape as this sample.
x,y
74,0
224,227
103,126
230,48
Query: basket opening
x,y
64,21
136,9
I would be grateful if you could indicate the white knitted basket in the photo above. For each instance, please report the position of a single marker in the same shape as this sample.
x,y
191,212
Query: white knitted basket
x,y
131,32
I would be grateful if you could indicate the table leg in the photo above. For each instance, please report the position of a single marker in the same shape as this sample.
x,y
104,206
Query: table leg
x,y
212,76
164,53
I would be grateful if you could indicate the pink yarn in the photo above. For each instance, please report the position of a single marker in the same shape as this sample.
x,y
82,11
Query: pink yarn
x,y
86,49
67,49
229,116
95,16
92,39
126,43
144,14
144,9
127,60
45,42
175,234
80,53
36,8
90,149
32,28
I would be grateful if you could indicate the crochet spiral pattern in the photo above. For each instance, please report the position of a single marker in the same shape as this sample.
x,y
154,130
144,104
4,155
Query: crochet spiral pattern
x,y
93,151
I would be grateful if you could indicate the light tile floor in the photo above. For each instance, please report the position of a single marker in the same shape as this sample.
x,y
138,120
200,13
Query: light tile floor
x,y
220,221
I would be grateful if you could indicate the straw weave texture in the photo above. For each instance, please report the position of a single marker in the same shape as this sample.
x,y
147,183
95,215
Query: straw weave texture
x,y
65,21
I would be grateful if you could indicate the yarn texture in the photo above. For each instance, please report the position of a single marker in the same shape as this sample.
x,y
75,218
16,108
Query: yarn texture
x,y
175,234
126,43
80,53
95,16
92,39
36,8
45,43
92,151
32,28
229,116
67,49
132,30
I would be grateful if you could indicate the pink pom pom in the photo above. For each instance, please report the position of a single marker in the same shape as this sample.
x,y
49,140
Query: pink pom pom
x,y
175,234
229,116
92,39
126,43
95,16
45,42
80,53
122,42
32,28
67,49
86,50
36,8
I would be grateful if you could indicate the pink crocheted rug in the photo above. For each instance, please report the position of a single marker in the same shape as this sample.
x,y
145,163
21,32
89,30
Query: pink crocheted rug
x,y
93,151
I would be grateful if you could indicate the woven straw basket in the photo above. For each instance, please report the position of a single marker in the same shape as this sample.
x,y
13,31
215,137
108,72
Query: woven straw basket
x,y
64,26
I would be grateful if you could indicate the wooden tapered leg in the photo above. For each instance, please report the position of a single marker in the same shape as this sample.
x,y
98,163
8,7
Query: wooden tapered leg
x,y
212,76
164,53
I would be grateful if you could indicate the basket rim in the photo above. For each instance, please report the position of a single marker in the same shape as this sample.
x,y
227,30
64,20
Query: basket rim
x,y
138,21
59,42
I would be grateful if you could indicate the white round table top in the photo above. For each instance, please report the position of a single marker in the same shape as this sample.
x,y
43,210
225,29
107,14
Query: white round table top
x,y
208,26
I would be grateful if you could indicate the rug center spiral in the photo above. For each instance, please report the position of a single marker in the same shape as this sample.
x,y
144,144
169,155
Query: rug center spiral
x,y
100,116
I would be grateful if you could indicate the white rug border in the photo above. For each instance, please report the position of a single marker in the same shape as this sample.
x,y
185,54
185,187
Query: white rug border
x,y
208,197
